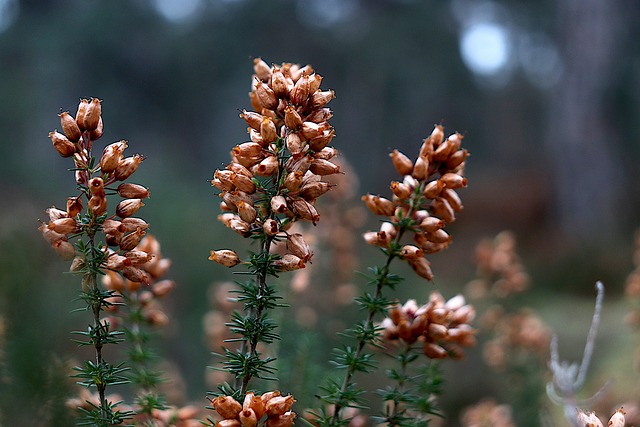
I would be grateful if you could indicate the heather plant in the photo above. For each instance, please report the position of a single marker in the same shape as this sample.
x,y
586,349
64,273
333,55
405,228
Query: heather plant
x,y
272,183
96,239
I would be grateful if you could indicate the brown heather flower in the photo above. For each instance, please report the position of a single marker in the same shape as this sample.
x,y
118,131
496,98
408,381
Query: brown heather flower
x,y
500,271
441,326
589,419
423,202
275,407
289,137
487,413
80,132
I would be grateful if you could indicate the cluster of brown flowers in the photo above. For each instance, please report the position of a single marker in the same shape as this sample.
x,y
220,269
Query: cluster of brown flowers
x,y
123,233
590,419
186,416
426,196
274,408
155,269
518,334
500,271
274,179
487,413
442,326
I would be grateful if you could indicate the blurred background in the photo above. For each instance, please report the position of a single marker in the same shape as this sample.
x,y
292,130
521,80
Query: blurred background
x,y
547,94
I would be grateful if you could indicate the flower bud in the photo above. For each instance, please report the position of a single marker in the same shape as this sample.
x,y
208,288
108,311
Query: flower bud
x,y
284,420
300,93
64,225
82,111
135,274
98,131
401,190
117,262
128,166
247,149
305,210
61,143
320,115
279,83
137,257
267,167
379,205
301,164
323,167
453,180
299,247
262,69
289,262
311,130
266,96
295,145
70,127
92,115
133,191
96,186
421,168
433,189
163,287
270,227
617,419
227,406
321,98
434,351
50,235
431,224
77,264
441,208
278,204
248,418
243,183
292,118
229,423
422,267
252,118
268,130
239,226
411,252
279,405
246,212
74,206
128,207
453,198
322,140
55,213
97,204
456,158
64,249
132,224
111,156
131,240
313,190
326,153
439,236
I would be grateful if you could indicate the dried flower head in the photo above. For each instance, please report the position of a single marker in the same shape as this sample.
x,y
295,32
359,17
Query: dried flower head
x,y
443,327
423,202
275,407
274,179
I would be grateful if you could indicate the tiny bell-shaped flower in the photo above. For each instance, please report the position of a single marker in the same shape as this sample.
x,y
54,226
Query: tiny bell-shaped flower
x,y
227,407
225,257
132,191
61,143
128,207
126,167
92,115
111,156
70,127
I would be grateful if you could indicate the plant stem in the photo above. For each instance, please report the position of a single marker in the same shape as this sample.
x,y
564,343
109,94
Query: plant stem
x,y
256,313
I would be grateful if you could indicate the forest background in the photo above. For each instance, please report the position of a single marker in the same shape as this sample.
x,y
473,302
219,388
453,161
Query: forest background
x,y
547,94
